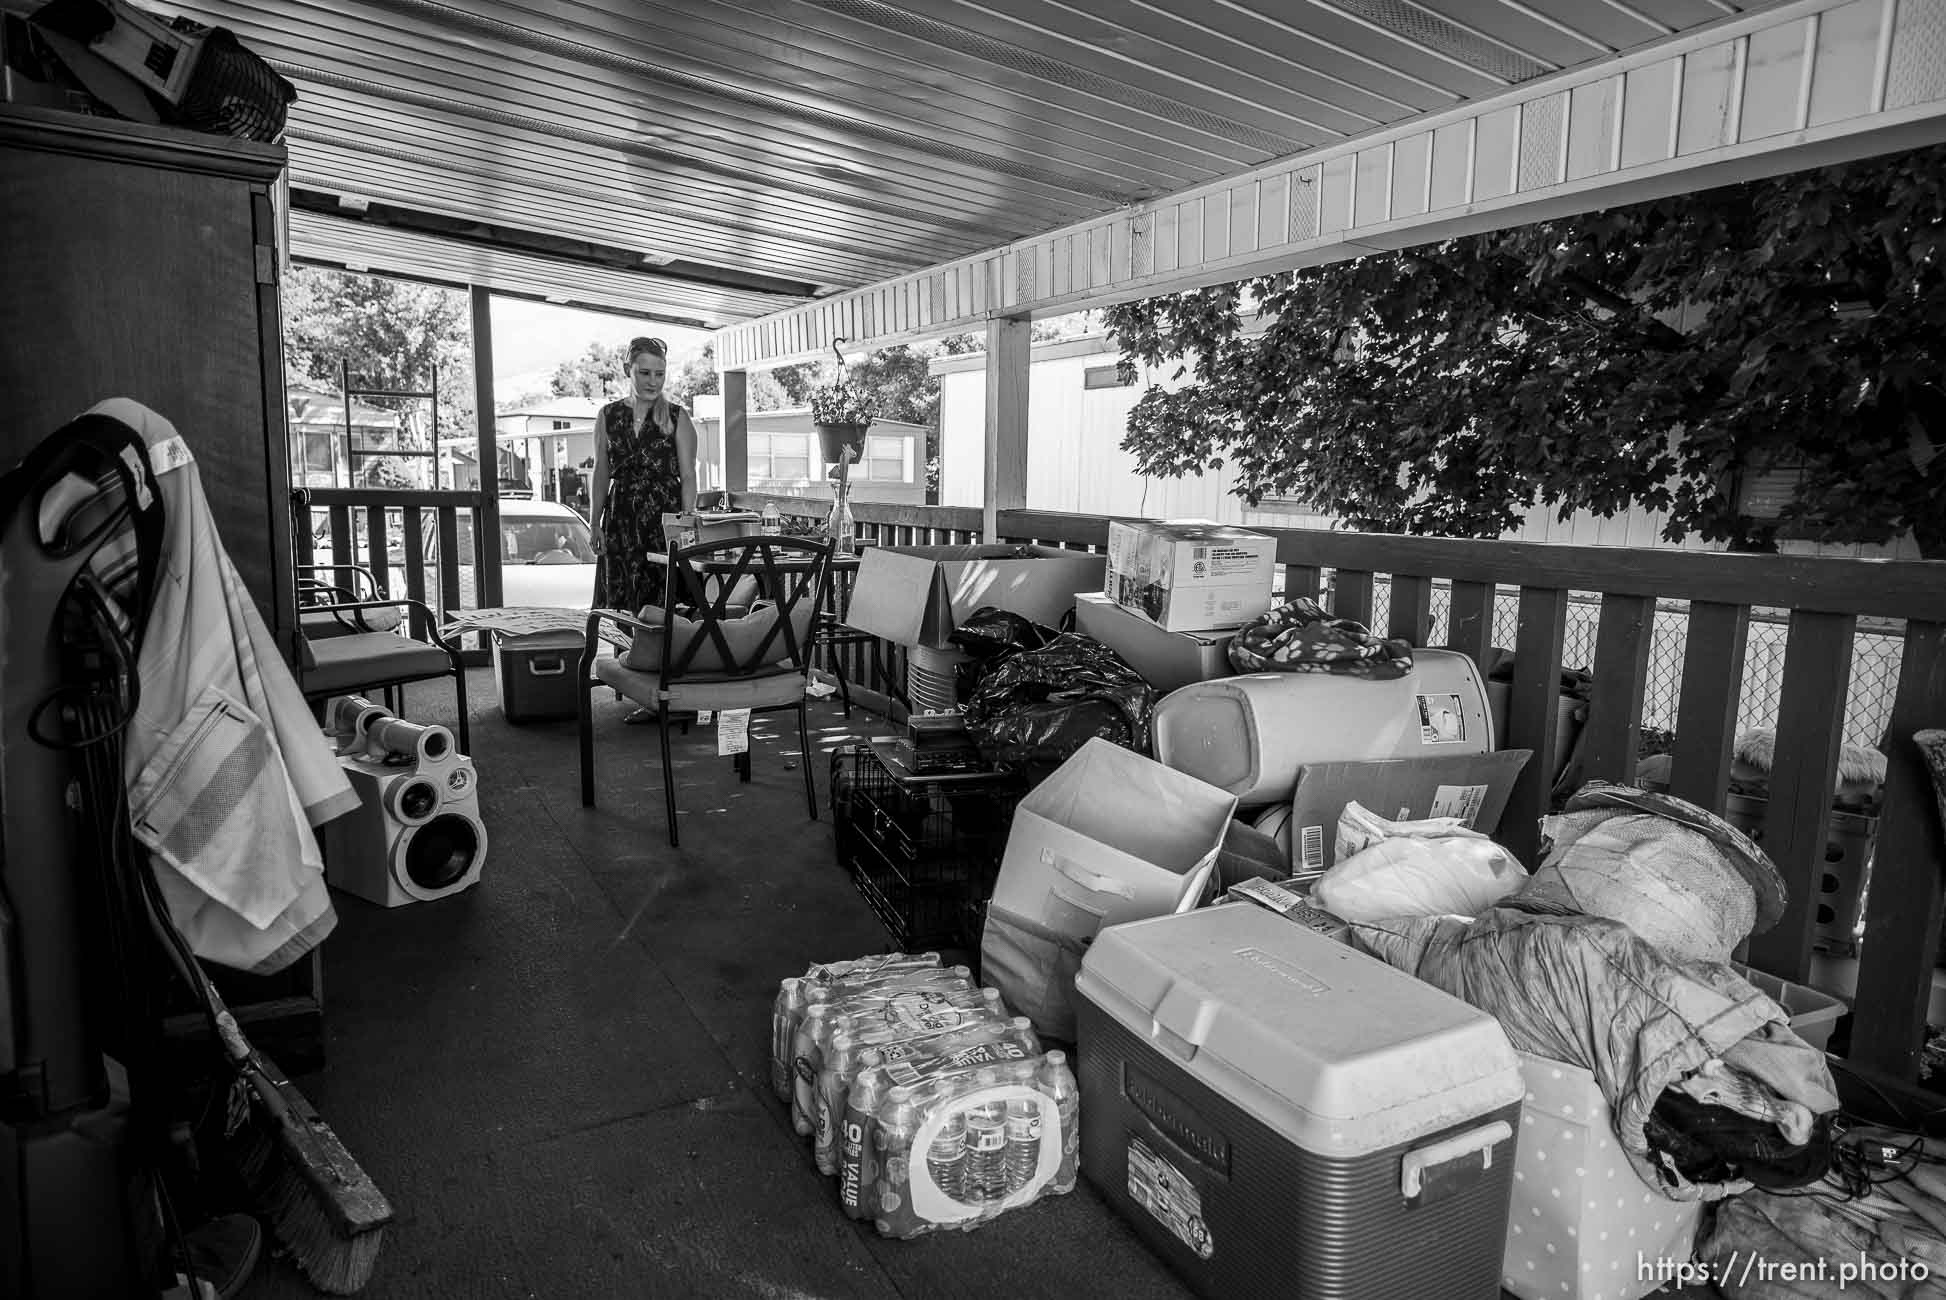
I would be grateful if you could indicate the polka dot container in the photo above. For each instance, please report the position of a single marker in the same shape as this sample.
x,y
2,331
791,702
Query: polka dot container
x,y
1583,1226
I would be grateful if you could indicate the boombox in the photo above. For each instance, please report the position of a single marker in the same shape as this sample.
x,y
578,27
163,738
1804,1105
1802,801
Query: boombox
x,y
416,834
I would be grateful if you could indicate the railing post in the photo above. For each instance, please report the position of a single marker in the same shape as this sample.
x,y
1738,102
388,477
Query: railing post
x,y
736,431
1009,346
486,524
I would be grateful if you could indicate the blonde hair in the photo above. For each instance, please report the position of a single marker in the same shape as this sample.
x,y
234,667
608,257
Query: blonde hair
x,y
659,413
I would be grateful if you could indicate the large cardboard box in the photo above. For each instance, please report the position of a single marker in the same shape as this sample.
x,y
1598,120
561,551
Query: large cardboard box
x,y
1190,575
1110,837
1471,787
917,595
1583,1224
1165,659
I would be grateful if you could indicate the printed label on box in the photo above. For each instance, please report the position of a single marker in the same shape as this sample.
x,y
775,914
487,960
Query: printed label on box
x,y
1461,801
1310,848
1161,1189
1442,719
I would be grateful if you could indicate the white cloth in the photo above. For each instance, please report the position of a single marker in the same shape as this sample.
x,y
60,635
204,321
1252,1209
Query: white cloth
x,y
227,770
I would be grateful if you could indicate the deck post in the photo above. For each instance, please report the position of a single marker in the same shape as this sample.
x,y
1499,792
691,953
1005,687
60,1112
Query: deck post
x,y
736,433
1009,340
487,524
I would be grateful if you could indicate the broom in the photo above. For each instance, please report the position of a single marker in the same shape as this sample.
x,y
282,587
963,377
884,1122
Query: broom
x,y
321,1206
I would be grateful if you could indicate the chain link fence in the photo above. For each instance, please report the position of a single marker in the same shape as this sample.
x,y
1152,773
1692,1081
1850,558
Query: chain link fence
x,y
1876,653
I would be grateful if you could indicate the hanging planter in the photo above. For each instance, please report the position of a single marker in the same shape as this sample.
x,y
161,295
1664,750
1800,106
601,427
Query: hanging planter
x,y
838,437
842,411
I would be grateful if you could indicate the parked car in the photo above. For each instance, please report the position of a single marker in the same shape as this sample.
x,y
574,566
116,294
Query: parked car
x,y
545,557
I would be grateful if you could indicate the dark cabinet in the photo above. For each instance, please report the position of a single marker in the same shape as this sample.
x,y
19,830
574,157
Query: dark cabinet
x,y
141,262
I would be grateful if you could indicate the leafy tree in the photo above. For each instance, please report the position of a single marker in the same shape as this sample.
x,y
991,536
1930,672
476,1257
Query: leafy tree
x,y
393,333
1657,355
598,373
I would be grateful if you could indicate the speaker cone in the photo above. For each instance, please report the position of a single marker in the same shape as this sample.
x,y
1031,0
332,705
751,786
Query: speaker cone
x,y
440,853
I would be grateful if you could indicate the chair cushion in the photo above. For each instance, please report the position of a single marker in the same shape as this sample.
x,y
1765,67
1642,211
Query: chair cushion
x,y
770,690
363,659
741,634
321,623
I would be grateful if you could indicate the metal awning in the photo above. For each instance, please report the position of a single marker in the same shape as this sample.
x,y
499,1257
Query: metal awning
x,y
718,160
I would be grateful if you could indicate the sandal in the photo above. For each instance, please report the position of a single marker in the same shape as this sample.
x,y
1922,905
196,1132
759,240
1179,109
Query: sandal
x,y
639,717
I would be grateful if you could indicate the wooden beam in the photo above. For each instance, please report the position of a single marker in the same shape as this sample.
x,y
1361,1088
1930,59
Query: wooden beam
x,y
1811,725
1488,166
1903,908
1614,727
736,430
487,523
1009,345
1706,717
1533,708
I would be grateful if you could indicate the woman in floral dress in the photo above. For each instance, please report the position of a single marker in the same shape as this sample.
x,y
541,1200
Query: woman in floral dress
x,y
645,466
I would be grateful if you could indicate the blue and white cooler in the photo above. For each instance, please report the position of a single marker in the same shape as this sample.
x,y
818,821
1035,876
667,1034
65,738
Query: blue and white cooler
x,y
1279,1114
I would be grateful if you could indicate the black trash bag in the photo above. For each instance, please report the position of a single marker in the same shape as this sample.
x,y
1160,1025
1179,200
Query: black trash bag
x,y
988,636
1033,709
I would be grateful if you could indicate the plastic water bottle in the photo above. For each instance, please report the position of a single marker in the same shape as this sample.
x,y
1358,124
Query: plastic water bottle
x,y
986,1153
784,1015
804,1068
946,1158
857,1158
1057,1081
898,1124
773,519
828,1099
1023,1142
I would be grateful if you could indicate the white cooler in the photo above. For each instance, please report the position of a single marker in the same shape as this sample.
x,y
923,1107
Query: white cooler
x,y
1278,1114
1249,734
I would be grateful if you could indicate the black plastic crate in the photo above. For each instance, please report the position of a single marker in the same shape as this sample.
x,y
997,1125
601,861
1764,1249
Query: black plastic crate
x,y
922,851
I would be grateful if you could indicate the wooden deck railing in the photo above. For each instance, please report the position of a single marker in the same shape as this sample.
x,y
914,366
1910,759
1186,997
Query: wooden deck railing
x,y
389,531
1824,598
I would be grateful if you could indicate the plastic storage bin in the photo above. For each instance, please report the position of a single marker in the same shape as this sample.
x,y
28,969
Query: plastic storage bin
x,y
535,675
1279,1114
922,849
1583,1225
1848,839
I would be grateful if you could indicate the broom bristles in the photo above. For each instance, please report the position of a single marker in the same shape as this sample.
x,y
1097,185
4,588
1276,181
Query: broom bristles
x,y
320,1205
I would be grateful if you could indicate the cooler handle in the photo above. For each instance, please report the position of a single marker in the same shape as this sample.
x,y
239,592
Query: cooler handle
x,y
547,666
1092,881
1480,1141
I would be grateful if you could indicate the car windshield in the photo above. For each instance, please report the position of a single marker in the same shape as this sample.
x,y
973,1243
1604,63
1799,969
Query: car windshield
x,y
557,539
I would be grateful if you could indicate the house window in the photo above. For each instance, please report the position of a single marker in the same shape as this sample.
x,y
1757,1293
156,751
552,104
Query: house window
x,y
885,459
561,424
1104,377
780,456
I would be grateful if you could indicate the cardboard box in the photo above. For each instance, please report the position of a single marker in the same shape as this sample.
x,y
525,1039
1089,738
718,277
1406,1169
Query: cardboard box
x,y
695,527
1111,836
1472,787
1583,1223
1190,575
917,595
1165,659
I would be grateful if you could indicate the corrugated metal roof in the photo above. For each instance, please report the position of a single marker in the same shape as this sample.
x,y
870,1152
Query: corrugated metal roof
x,y
783,148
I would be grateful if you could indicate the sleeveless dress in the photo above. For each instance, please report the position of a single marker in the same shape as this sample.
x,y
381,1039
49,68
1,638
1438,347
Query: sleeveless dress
x,y
644,481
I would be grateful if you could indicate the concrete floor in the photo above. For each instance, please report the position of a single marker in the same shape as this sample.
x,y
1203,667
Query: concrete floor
x,y
560,1078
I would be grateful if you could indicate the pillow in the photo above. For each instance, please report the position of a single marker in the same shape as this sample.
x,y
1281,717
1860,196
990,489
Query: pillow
x,y
741,634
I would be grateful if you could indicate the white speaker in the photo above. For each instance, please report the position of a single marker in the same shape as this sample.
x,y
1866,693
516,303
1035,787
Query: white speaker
x,y
416,835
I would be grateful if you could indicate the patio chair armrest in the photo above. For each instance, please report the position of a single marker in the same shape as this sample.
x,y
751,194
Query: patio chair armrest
x,y
619,618
357,571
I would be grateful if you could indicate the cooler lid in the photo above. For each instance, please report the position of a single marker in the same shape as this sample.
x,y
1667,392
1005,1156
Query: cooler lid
x,y
1328,1045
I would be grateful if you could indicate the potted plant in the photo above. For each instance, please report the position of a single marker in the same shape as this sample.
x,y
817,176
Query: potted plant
x,y
842,410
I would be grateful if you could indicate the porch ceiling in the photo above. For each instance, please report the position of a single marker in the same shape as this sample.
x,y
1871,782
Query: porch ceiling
x,y
768,152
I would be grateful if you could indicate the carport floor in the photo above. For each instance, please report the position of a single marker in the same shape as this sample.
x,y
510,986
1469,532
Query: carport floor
x,y
561,1076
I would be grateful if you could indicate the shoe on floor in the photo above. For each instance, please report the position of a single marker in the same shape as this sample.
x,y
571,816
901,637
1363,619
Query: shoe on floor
x,y
223,1253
